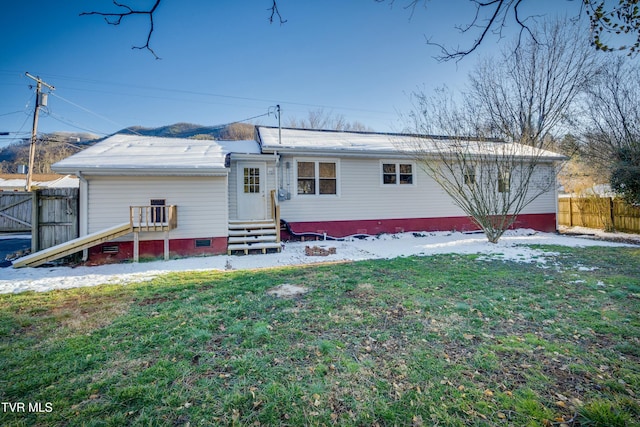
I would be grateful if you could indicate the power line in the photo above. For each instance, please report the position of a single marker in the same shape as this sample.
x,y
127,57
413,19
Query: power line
x,y
13,112
87,110
210,94
71,123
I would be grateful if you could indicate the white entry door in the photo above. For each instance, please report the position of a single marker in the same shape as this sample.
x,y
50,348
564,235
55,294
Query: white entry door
x,y
252,201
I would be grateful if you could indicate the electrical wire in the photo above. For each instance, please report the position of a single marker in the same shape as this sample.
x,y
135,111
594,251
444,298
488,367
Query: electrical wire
x,y
86,109
13,112
19,132
71,123
209,94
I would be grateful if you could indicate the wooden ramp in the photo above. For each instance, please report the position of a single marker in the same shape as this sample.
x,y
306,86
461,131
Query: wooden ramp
x,y
73,246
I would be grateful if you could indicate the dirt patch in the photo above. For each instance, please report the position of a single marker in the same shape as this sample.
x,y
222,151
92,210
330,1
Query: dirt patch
x,y
84,314
363,292
287,290
319,251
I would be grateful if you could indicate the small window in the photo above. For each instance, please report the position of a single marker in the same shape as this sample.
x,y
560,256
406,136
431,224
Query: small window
x,y
469,175
306,178
406,174
397,173
252,180
159,213
328,180
389,173
504,181
317,178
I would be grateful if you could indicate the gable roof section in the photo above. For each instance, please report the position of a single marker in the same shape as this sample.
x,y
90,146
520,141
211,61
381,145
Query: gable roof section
x,y
372,144
145,155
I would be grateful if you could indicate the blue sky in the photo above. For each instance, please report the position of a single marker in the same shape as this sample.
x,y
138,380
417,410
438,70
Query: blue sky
x,y
222,61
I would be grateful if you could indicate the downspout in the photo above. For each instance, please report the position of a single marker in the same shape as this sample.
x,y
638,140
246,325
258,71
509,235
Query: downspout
x,y
84,211
278,176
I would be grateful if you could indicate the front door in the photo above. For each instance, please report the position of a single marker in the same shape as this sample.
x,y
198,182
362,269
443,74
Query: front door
x,y
252,202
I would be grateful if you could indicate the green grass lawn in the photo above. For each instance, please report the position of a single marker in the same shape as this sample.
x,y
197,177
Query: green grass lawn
x,y
444,340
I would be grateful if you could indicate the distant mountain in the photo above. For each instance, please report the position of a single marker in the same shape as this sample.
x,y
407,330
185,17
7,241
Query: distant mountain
x,y
190,130
50,148
53,147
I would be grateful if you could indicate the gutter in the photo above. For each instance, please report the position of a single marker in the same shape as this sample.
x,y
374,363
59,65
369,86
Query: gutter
x,y
149,172
396,154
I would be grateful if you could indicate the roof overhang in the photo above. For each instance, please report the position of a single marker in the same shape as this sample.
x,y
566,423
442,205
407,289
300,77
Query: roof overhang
x,y
343,144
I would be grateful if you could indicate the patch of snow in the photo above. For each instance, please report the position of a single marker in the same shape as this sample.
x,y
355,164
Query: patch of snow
x,y
513,246
600,234
9,236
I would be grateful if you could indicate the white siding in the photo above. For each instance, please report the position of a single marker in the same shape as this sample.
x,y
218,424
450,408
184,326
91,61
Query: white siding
x,y
270,182
202,203
362,196
546,202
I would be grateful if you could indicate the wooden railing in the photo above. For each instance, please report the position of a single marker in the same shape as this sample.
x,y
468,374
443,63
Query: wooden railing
x,y
153,218
275,213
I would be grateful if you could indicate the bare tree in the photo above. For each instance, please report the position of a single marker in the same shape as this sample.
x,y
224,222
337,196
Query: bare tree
x,y
612,143
321,119
491,180
527,93
238,132
614,110
521,99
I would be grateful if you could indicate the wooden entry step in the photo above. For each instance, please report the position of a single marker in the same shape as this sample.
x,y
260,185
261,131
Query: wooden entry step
x,y
247,236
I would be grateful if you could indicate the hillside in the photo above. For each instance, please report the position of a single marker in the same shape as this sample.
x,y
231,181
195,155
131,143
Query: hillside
x,y
236,131
50,148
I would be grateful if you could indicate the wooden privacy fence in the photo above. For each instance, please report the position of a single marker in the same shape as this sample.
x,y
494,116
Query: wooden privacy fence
x,y
15,211
54,219
599,212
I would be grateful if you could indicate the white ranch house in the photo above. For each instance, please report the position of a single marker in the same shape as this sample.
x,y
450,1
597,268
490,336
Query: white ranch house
x,y
191,197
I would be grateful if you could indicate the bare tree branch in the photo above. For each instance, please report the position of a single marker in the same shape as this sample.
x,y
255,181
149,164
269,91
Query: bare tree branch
x,y
115,18
275,12
491,16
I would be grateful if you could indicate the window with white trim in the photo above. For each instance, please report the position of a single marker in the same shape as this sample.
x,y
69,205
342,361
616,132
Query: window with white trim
x,y
397,173
469,175
504,181
317,177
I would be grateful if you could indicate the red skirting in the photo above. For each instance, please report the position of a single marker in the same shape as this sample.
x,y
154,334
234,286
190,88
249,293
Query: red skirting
x,y
540,222
154,249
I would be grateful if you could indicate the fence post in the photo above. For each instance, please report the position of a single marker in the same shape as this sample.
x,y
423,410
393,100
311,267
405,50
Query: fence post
x,y
570,212
35,221
612,214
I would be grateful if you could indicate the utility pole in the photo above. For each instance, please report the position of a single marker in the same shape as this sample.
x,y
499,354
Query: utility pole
x,y
279,126
41,101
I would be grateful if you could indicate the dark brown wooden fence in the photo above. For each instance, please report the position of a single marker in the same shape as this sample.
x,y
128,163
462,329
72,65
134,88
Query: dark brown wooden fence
x,y
599,212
